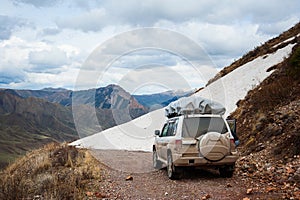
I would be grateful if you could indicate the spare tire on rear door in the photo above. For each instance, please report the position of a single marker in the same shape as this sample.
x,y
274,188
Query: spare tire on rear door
x,y
214,146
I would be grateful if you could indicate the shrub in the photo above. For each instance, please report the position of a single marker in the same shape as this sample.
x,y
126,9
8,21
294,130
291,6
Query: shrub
x,y
294,64
56,171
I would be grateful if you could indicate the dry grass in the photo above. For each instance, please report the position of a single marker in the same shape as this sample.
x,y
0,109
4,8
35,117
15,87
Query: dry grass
x,y
274,94
56,171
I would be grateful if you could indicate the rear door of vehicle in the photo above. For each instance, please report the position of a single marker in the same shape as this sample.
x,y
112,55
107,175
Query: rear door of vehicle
x,y
212,134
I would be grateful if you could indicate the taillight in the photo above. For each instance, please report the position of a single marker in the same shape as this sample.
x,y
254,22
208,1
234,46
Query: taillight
x,y
178,144
232,145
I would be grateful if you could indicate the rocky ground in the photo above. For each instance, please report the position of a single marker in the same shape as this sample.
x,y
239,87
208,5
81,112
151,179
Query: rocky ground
x,y
255,178
264,176
63,172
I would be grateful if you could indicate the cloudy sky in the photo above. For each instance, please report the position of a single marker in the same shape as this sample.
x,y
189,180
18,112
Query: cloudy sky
x,y
50,43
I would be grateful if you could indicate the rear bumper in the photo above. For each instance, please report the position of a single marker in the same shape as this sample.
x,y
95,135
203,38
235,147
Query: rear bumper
x,y
201,161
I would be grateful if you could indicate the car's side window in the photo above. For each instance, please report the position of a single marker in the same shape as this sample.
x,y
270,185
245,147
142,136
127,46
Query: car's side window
x,y
164,130
169,129
172,128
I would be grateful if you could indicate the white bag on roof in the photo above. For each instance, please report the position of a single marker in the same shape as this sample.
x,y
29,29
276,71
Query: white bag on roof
x,y
194,104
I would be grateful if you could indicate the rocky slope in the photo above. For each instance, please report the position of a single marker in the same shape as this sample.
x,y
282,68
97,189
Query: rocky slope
x,y
269,129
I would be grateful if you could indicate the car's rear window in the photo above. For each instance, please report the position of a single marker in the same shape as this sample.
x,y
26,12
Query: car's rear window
x,y
197,126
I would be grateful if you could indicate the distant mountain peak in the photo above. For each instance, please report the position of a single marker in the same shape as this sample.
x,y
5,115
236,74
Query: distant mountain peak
x,y
12,92
50,89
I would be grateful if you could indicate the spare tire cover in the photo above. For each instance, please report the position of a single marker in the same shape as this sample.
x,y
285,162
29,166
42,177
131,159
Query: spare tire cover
x,y
214,146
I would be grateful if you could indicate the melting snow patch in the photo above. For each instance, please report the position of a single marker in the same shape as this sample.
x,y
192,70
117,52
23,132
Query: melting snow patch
x,y
285,41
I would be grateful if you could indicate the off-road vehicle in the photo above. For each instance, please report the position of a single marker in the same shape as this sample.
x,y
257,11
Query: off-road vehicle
x,y
195,140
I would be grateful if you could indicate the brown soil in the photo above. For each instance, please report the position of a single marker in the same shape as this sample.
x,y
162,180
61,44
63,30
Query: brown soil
x,y
154,184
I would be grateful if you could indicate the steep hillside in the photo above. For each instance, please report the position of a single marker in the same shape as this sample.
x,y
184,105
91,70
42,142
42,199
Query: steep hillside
x,y
27,123
268,124
269,116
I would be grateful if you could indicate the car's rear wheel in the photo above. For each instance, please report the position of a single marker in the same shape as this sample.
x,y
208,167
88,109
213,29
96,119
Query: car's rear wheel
x,y
157,164
226,171
172,174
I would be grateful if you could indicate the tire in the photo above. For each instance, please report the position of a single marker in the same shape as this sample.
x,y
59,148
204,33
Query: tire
x,y
213,146
157,164
171,169
227,171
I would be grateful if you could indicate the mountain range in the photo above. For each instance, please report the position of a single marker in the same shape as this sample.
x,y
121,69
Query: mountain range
x,y
159,100
31,118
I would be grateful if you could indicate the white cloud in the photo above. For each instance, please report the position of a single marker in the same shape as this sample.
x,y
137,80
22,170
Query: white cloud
x,y
50,31
8,24
38,3
147,13
52,58
64,79
277,27
93,20
26,64
11,75
55,37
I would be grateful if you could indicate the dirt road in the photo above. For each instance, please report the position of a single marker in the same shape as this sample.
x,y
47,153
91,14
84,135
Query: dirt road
x,y
148,183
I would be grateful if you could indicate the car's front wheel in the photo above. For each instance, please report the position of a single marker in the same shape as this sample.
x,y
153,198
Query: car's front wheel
x,y
157,164
172,174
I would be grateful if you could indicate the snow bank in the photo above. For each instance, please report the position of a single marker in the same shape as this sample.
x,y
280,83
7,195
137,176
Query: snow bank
x,y
138,134
287,40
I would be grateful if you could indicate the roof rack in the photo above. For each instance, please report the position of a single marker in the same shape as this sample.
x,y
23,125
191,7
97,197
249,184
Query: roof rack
x,y
193,105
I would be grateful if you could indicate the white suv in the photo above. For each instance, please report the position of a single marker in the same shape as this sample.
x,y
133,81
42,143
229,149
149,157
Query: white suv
x,y
195,140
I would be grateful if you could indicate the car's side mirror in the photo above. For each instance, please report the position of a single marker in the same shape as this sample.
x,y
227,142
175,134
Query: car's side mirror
x,y
157,132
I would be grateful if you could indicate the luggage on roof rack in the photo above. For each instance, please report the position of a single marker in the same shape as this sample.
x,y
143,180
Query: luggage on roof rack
x,y
193,105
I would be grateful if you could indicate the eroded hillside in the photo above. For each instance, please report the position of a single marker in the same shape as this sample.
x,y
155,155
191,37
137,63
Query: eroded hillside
x,y
269,128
